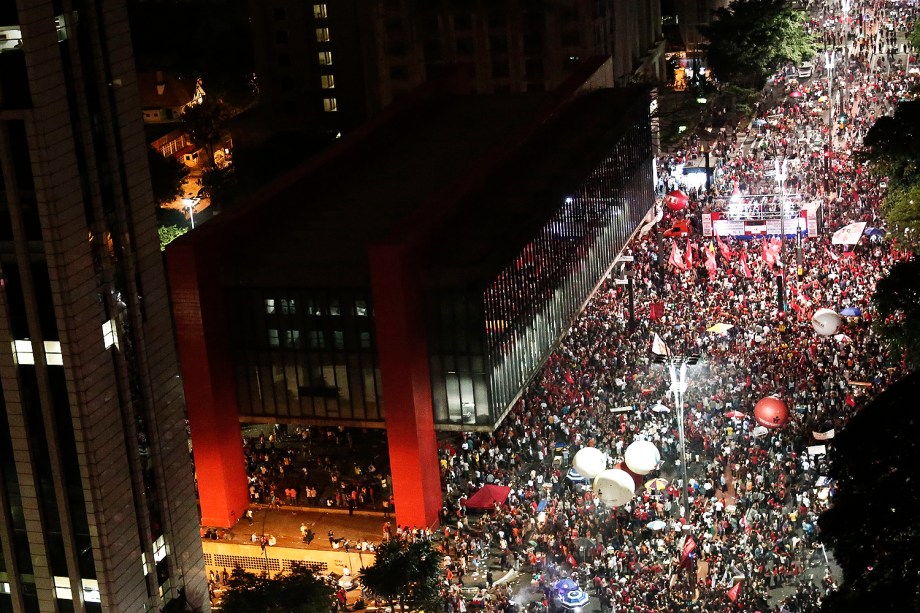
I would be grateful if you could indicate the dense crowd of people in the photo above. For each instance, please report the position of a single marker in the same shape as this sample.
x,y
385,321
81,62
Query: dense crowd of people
x,y
754,494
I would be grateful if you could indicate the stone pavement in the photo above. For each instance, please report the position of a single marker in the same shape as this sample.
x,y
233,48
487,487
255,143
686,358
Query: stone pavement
x,y
284,525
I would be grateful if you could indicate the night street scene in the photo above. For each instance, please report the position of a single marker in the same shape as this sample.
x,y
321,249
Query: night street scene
x,y
459,306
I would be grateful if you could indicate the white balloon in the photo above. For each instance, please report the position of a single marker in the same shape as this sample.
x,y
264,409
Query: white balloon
x,y
825,322
642,457
589,462
615,487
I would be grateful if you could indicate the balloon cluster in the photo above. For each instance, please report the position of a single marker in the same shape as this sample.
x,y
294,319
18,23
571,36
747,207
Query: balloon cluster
x,y
617,486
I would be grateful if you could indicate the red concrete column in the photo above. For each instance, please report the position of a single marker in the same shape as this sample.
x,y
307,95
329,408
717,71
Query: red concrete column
x,y
207,376
403,351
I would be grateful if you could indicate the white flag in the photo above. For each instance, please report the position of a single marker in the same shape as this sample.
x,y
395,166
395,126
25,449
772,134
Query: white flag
x,y
658,346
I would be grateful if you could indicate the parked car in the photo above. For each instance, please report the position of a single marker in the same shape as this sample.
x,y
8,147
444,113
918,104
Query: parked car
x,y
346,582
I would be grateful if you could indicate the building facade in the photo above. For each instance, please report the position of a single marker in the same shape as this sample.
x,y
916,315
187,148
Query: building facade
x,y
408,279
96,487
336,62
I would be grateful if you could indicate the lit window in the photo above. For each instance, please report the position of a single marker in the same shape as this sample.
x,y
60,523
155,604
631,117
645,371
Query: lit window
x,y
159,548
325,58
329,105
361,308
288,307
91,590
62,588
292,338
322,35
23,355
269,306
313,308
319,11
317,340
334,308
273,339
327,81
110,334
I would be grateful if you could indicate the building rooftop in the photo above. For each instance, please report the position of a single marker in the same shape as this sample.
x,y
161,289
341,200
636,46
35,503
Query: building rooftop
x,y
465,180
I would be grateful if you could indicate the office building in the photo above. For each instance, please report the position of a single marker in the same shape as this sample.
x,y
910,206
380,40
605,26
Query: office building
x,y
331,64
413,278
96,486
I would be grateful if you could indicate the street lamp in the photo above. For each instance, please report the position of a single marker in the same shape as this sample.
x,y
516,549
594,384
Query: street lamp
x,y
190,204
677,370
779,163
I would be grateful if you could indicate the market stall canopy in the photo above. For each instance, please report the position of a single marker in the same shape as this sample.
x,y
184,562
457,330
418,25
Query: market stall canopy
x,y
488,496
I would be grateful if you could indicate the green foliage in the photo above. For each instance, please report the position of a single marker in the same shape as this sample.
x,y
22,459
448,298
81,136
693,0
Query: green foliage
x,y
749,38
299,591
169,233
406,572
897,305
167,174
873,526
913,37
891,147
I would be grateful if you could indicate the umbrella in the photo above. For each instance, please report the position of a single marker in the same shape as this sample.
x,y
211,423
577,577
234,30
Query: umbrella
x,y
660,408
574,477
735,415
656,485
874,232
851,312
795,94
719,328
575,598
759,122
656,525
566,585
848,235
842,338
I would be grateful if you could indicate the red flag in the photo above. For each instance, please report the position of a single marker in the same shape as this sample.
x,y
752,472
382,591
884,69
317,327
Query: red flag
x,y
723,248
689,546
656,310
734,592
745,270
711,263
676,260
688,256
850,401
767,254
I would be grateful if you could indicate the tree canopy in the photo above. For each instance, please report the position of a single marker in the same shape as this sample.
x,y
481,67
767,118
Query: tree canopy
x,y
749,38
406,572
873,526
299,591
897,306
892,149
167,174
207,123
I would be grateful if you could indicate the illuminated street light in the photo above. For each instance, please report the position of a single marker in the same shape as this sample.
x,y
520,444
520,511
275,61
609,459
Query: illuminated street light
x,y
190,204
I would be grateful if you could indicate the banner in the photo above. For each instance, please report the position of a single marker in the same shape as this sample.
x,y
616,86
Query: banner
x,y
817,450
823,436
758,431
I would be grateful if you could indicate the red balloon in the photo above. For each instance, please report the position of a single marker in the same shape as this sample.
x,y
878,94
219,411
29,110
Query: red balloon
x,y
676,200
638,479
771,412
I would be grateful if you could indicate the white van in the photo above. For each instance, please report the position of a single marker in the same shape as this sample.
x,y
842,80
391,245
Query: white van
x,y
805,70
